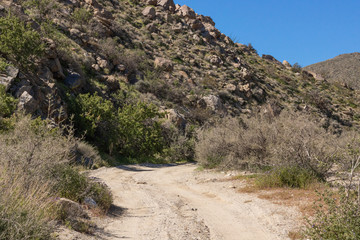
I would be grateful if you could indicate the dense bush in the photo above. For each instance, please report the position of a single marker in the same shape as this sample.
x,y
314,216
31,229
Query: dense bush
x,y
93,115
19,42
139,133
101,195
7,103
132,131
69,183
263,140
7,107
293,177
3,65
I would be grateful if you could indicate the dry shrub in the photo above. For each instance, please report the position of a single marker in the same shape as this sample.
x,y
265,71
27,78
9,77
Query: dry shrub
x,y
27,155
131,59
34,170
290,139
87,155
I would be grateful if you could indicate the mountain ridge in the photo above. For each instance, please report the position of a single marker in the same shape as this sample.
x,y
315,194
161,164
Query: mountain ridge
x,y
343,68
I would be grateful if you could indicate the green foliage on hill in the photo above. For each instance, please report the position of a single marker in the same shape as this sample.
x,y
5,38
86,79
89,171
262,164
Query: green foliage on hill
x,y
7,103
19,42
131,131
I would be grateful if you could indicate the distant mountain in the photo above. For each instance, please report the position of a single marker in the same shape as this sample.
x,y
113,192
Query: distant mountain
x,y
344,68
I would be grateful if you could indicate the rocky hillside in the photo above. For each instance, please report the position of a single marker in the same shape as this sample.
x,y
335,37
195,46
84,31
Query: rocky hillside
x,y
343,69
161,53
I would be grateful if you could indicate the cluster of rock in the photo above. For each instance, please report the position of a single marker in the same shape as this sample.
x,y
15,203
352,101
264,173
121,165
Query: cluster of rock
x,y
204,24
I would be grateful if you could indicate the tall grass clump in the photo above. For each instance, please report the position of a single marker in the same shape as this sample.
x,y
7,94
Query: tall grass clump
x,y
293,177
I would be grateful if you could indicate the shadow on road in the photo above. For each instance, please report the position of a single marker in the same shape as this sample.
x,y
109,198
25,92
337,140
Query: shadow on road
x,y
116,211
137,167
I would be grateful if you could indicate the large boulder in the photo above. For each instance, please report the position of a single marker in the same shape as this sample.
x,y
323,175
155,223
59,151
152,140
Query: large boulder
x,y
8,77
149,12
206,19
212,31
73,80
270,58
187,12
215,60
164,64
167,5
195,24
176,118
211,102
71,209
27,103
56,68
286,64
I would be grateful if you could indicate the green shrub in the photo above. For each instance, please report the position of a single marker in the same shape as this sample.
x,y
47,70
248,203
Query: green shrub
x,y
132,131
93,114
293,177
296,68
139,133
69,183
3,65
7,107
19,42
101,195
81,16
7,103
335,218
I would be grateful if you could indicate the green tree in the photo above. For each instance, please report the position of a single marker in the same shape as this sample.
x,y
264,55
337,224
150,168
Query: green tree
x,y
19,42
139,133
93,114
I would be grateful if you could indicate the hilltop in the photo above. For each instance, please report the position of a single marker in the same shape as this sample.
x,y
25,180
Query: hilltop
x,y
343,69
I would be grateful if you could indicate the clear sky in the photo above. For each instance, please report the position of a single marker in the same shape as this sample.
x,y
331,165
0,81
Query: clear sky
x,y
302,31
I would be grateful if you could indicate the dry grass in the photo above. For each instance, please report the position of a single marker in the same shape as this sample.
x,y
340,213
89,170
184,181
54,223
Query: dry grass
x,y
301,198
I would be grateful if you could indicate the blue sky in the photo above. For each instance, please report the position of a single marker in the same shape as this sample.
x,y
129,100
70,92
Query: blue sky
x,y
303,31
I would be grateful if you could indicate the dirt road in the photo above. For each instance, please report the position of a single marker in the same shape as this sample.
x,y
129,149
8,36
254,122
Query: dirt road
x,y
177,202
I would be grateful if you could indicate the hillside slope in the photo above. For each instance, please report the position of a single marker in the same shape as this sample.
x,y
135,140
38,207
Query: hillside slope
x,y
162,53
344,69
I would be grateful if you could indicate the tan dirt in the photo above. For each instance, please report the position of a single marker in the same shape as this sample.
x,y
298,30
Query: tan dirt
x,y
178,202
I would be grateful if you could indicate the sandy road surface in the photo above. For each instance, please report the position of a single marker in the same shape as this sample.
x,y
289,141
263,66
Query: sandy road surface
x,y
177,202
